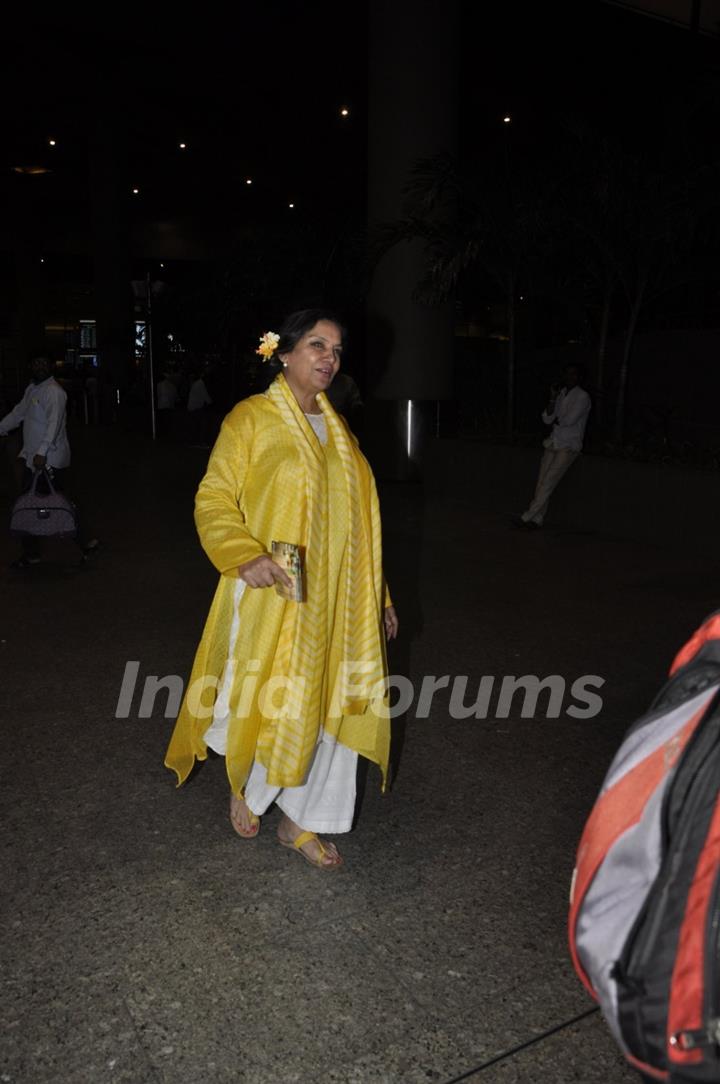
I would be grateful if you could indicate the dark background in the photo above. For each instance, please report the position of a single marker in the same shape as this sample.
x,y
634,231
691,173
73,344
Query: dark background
x,y
258,95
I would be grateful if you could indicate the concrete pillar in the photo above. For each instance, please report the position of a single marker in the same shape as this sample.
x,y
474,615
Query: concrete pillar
x,y
414,57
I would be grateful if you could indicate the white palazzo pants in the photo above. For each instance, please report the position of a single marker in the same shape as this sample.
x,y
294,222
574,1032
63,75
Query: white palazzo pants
x,y
326,800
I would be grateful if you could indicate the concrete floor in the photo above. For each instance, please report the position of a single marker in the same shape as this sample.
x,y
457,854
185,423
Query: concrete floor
x,y
146,942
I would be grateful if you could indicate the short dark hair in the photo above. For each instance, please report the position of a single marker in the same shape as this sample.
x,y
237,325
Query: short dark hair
x,y
299,323
41,355
291,332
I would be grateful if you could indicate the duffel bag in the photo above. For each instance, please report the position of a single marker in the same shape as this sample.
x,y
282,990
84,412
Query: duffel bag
x,y
43,512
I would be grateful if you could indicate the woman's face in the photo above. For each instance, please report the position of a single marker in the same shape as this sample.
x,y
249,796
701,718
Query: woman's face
x,y
312,364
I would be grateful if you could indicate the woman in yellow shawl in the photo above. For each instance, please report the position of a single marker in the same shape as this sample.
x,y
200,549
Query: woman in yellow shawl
x,y
291,692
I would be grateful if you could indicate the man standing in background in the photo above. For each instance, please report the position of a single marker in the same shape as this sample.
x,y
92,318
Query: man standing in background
x,y
567,412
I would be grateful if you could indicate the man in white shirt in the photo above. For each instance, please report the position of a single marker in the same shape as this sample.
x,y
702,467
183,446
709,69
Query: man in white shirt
x,y
198,396
167,402
167,393
42,412
567,412
198,405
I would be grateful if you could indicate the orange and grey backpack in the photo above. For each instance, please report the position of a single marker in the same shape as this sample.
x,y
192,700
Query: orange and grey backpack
x,y
645,902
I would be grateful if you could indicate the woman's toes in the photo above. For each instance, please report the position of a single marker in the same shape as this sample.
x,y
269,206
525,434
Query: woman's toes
x,y
331,857
242,818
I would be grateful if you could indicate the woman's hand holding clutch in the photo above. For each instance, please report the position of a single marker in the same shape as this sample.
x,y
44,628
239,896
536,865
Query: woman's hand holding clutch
x,y
263,572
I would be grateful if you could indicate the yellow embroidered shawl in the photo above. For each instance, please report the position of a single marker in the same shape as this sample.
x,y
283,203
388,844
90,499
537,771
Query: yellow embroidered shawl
x,y
267,480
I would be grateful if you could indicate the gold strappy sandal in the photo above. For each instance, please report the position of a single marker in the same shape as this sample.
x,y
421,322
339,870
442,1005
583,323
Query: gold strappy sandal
x,y
299,843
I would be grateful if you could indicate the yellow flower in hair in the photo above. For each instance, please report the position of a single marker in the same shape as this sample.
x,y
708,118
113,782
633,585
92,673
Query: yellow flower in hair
x,y
268,345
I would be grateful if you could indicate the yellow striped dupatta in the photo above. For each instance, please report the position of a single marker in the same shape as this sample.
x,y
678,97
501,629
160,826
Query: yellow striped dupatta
x,y
337,686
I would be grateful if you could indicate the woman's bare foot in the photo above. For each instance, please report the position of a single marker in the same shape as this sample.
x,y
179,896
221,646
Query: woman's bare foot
x,y
318,852
244,821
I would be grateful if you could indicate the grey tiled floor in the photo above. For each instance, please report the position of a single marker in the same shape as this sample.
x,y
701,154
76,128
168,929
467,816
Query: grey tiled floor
x,y
145,942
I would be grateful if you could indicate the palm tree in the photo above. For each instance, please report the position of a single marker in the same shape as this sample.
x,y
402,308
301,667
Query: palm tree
x,y
641,215
487,216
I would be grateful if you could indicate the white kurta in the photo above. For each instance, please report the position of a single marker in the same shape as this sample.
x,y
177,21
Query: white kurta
x,y
41,411
326,801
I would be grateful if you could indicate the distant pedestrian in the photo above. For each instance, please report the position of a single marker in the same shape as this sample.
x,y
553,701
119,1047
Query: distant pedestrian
x,y
168,399
167,393
198,405
42,414
567,412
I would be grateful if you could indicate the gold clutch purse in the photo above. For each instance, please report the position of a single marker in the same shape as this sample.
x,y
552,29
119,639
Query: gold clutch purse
x,y
290,558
